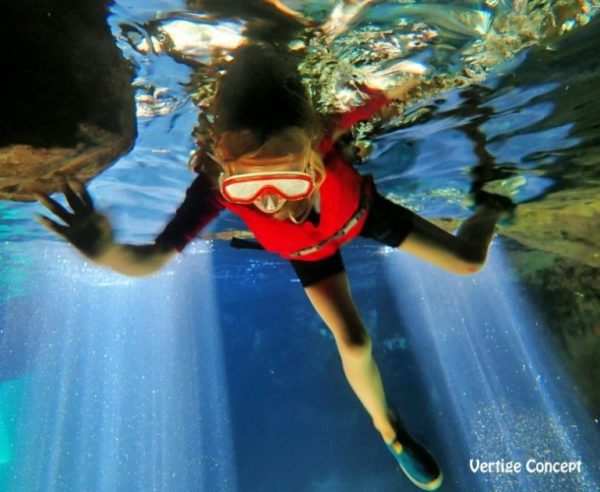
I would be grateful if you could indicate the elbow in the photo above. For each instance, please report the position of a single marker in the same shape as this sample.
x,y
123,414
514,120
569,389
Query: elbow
x,y
469,260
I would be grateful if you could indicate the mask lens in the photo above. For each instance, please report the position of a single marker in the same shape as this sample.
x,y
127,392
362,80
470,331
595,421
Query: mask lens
x,y
243,190
246,188
290,188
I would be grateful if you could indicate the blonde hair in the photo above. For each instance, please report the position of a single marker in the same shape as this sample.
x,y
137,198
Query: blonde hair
x,y
243,146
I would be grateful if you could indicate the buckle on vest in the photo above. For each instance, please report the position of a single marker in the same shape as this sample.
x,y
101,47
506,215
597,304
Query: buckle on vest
x,y
355,219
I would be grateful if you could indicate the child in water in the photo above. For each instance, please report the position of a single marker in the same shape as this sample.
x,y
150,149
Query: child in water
x,y
275,165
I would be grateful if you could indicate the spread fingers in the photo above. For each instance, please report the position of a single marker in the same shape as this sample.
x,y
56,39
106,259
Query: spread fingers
x,y
75,201
59,229
81,190
54,207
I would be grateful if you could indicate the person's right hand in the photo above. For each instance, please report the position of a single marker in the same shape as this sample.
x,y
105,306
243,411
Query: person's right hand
x,y
90,232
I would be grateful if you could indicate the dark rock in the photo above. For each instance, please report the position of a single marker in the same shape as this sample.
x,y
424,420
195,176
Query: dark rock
x,y
67,106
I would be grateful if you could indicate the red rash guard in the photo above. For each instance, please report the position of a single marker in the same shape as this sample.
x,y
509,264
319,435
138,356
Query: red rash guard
x,y
344,196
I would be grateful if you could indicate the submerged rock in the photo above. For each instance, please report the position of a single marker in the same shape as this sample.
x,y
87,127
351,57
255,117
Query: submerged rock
x,y
564,223
68,106
567,294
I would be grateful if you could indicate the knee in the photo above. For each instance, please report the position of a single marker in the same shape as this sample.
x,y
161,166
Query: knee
x,y
356,348
470,259
468,267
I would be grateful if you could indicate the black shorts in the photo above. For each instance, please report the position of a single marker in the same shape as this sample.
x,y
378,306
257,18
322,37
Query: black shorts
x,y
387,223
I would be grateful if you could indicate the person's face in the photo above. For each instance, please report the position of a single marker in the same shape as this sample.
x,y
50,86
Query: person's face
x,y
268,203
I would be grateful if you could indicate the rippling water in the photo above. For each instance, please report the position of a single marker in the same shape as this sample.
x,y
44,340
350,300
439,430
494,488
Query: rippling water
x,y
510,98
519,112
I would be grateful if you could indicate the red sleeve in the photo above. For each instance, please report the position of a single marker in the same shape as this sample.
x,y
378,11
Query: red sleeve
x,y
200,207
377,100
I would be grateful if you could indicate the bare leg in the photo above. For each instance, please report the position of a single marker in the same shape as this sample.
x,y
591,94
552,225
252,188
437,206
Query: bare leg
x,y
332,299
464,253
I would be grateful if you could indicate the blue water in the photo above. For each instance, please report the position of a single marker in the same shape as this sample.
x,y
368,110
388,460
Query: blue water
x,y
216,375
185,382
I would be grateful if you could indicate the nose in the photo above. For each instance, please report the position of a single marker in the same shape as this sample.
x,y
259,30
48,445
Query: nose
x,y
269,202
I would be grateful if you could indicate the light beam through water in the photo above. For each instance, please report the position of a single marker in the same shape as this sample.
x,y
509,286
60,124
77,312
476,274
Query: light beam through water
x,y
498,387
127,389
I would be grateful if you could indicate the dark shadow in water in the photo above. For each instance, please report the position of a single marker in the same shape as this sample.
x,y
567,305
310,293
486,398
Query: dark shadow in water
x,y
475,114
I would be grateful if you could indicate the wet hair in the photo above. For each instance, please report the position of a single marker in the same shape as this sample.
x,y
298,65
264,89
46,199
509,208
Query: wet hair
x,y
262,92
291,141
262,108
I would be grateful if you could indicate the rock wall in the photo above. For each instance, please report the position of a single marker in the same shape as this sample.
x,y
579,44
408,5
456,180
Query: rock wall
x,y
67,106
565,223
567,293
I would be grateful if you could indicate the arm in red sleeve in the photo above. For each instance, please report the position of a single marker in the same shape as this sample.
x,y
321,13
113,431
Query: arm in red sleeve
x,y
199,208
345,121
377,100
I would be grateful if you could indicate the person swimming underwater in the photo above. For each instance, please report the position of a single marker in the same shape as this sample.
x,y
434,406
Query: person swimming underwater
x,y
275,164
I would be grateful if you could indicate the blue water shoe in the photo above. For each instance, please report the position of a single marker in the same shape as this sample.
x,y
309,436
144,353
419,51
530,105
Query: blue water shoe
x,y
415,461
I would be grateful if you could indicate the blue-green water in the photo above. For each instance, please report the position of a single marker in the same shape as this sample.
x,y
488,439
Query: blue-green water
x,y
215,374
